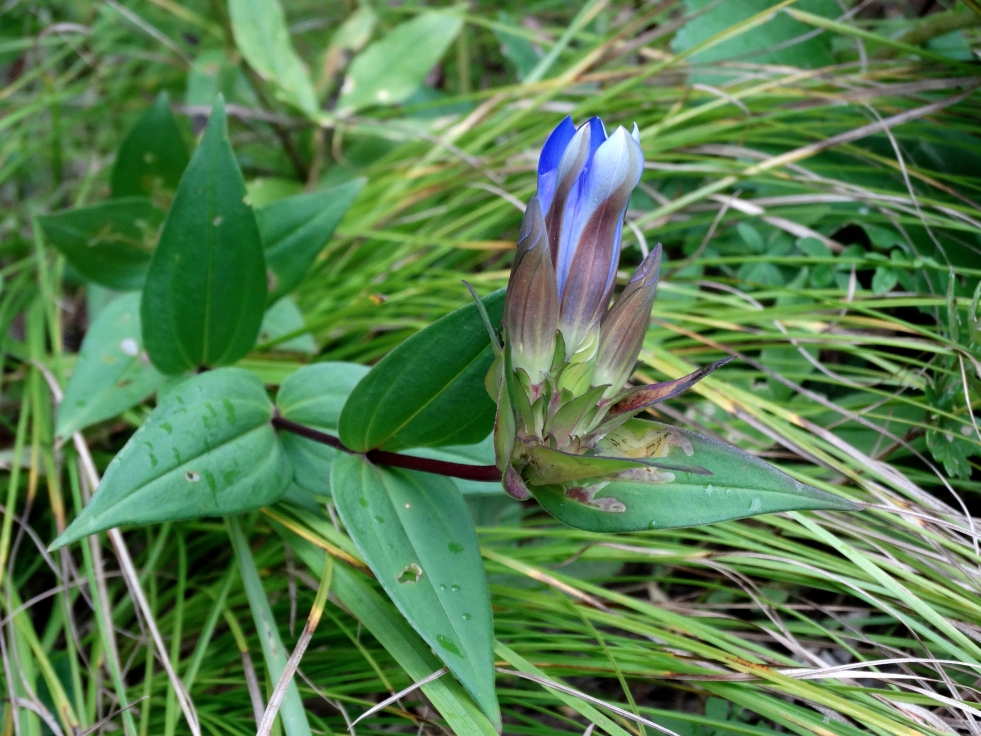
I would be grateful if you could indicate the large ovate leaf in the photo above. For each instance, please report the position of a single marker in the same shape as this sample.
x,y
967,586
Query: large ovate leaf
x,y
205,290
261,34
294,230
314,397
153,154
109,243
392,68
737,485
208,449
112,372
360,597
415,533
429,391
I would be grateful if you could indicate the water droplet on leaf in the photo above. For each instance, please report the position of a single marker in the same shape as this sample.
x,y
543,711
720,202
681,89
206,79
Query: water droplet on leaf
x,y
447,644
130,347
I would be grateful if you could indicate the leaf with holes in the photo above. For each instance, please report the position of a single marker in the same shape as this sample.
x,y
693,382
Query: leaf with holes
x,y
294,230
359,595
314,397
722,483
152,156
261,34
208,449
394,67
109,243
205,290
415,533
112,372
412,398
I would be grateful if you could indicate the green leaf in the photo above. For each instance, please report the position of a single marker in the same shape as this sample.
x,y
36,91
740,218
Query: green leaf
x,y
207,450
261,34
773,42
109,243
314,397
764,274
284,318
294,230
515,46
153,154
211,74
205,290
112,372
415,533
429,391
952,449
350,37
391,69
357,594
884,280
654,498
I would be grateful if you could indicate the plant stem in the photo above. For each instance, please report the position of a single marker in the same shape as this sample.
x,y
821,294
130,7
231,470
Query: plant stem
x,y
488,473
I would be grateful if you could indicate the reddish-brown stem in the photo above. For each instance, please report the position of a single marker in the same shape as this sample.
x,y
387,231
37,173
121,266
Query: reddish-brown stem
x,y
488,473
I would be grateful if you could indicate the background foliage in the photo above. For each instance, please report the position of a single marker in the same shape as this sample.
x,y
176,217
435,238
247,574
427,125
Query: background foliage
x,y
812,174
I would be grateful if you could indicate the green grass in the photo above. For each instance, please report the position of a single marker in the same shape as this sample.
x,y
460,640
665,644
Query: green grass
x,y
824,623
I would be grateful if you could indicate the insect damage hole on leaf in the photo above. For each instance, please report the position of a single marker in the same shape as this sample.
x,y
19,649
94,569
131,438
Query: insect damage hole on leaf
x,y
412,573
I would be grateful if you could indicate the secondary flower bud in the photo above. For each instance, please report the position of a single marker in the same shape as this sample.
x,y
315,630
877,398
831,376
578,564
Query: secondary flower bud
x,y
624,326
531,306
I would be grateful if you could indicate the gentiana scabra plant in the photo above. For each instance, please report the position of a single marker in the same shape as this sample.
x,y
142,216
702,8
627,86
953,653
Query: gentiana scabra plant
x,y
564,405
566,430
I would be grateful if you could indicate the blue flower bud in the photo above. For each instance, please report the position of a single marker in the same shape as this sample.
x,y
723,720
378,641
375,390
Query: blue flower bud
x,y
584,235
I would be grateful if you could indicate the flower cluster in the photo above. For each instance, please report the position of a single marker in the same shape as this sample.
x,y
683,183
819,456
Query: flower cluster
x,y
568,352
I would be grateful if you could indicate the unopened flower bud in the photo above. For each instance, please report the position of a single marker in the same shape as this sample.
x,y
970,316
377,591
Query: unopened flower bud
x,y
531,306
624,326
589,241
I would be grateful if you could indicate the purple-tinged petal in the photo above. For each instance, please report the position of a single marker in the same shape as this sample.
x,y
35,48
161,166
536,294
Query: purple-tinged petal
x,y
623,328
531,305
580,149
591,223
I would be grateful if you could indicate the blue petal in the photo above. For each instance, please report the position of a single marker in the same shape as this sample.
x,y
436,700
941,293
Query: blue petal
x,y
549,160
592,225
597,133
